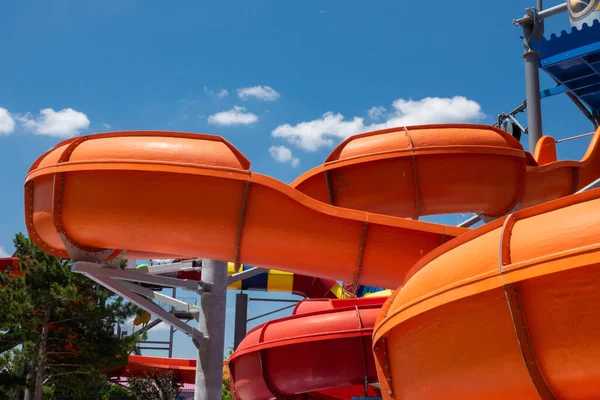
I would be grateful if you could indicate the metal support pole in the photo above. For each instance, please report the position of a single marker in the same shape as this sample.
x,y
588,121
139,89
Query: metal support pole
x,y
534,101
241,316
533,31
209,367
547,13
171,328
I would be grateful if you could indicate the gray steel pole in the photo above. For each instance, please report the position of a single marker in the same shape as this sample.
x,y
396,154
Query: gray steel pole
x,y
532,31
241,318
211,322
539,5
171,329
544,14
534,101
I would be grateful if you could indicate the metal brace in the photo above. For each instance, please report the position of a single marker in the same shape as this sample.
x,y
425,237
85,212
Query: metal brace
x,y
98,257
104,278
249,273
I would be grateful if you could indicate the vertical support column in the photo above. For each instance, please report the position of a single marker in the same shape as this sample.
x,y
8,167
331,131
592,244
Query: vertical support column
x,y
533,31
211,322
241,318
534,103
171,329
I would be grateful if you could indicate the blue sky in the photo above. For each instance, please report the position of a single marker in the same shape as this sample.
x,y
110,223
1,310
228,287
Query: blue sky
x,y
283,81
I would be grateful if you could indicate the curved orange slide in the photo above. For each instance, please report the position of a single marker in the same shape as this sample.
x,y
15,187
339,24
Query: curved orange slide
x,y
210,206
509,310
443,169
141,366
84,189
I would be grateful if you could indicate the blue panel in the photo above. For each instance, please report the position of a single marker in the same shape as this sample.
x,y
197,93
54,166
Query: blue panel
x,y
573,61
568,40
553,91
570,54
256,282
362,290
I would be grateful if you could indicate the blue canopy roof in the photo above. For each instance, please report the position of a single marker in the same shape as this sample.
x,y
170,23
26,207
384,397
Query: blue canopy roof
x,y
573,61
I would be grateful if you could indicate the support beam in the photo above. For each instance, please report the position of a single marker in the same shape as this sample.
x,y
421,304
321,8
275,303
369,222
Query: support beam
x,y
133,276
470,222
190,265
533,30
241,316
273,300
534,100
272,312
209,367
180,305
249,273
171,329
150,326
593,185
544,14
103,277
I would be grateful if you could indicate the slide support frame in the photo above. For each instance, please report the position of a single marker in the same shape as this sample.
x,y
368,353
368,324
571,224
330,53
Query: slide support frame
x,y
211,322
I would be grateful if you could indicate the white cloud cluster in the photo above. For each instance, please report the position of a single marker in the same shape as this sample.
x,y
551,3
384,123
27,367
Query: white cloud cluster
x,y
323,132
283,154
265,93
7,122
221,93
236,116
3,252
64,123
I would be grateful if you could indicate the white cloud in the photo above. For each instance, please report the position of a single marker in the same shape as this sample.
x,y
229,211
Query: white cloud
x,y
3,252
283,154
377,112
322,132
322,12
236,116
7,123
107,126
64,123
217,93
265,93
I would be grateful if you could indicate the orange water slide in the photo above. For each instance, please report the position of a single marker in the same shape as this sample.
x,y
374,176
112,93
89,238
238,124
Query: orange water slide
x,y
442,169
143,366
163,195
178,195
509,310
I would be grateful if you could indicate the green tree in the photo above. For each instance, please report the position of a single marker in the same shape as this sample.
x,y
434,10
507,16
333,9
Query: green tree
x,y
163,386
56,328
226,388
111,390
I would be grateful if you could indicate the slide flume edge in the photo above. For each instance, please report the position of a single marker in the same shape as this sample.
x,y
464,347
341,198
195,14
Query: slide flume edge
x,y
323,345
440,169
209,205
518,319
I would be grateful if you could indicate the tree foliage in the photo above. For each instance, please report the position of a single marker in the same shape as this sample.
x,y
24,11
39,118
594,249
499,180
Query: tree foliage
x,y
163,386
56,328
